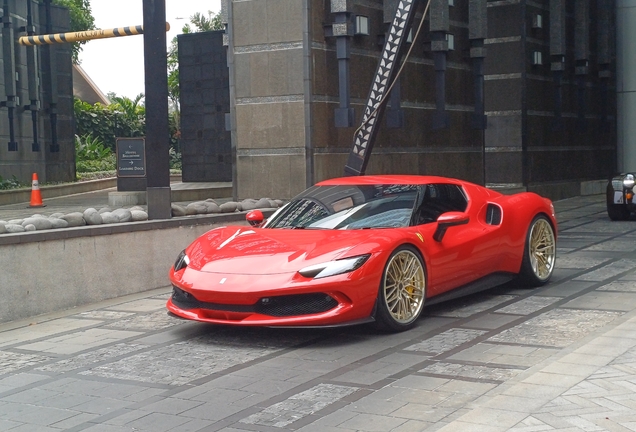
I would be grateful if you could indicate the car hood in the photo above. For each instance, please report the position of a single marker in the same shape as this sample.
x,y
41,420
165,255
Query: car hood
x,y
258,251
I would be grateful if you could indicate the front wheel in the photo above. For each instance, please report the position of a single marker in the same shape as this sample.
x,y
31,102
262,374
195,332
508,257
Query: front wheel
x,y
617,212
402,290
539,255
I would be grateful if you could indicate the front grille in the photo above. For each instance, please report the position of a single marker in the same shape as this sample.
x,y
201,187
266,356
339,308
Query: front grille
x,y
278,306
299,304
185,300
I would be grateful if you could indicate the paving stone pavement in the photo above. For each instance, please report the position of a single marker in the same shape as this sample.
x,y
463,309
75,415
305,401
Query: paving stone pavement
x,y
558,358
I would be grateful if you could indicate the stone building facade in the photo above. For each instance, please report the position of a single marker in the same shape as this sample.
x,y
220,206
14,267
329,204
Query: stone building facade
x,y
36,95
548,92
515,94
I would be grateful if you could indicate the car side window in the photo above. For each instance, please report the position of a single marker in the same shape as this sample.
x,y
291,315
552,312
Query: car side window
x,y
438,199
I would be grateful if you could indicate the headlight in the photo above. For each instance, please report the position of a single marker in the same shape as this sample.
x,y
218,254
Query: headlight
x,y
332,268
181,262
628,181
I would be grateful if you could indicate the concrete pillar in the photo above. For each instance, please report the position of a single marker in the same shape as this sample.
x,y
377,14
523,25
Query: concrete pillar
x,y
626,83
269,96
155,72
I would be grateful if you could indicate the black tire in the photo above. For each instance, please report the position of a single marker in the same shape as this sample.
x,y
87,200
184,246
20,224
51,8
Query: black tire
x,y
539,253
402,290
617,212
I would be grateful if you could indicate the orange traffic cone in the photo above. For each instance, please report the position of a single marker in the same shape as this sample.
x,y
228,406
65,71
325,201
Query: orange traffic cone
x,y
36,196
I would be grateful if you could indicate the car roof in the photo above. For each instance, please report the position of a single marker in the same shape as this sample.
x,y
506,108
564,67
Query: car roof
x,y
388,179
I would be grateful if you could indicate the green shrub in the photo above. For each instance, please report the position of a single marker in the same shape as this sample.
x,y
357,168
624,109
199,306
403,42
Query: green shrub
x,y
175,159
125,119
106,164
88,147
95,175
91,155
12,183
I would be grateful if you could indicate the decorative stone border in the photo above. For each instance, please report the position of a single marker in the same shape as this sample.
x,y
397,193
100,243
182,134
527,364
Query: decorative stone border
x,y
210,206
106,215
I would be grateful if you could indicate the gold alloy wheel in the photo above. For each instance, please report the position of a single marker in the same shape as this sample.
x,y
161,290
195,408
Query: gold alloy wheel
x,y
404,286
542,249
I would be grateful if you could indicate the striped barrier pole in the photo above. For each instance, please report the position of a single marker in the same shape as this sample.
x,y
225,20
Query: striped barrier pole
x,y
82,36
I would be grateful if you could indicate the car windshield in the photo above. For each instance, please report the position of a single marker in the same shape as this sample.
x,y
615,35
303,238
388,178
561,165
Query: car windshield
x,y
348,207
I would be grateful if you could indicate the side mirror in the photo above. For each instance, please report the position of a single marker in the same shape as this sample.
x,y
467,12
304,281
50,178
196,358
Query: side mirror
x,y
447,220
255,218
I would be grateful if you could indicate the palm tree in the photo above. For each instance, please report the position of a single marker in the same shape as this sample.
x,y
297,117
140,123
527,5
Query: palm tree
x,y
131,108
203,23
129,114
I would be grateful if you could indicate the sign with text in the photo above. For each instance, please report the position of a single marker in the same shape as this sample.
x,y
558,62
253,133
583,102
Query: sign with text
x,y
131,157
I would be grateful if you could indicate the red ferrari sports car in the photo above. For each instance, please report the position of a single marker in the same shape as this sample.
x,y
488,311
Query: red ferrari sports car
x,y
365,249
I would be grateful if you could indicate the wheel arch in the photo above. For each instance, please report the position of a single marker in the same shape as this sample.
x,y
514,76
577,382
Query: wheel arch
x,y
519,212
549,218
420,251
529,273
527,231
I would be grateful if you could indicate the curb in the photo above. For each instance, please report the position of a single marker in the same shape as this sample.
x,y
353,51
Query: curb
x,y
18,196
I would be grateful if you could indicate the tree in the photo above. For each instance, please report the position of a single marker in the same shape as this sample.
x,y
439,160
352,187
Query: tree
x,y
81,20
132,108
124,117
203,23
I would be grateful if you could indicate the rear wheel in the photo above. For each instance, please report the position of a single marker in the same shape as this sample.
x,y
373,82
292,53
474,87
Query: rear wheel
x,y
539,255
402,290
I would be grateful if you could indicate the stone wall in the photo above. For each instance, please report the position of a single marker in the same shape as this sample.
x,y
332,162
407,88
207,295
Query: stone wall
x,y
550,95
540,133
51,162
268,74
205,100
60,269
415,147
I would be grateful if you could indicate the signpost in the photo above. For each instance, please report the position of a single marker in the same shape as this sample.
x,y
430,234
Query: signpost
x,y
131,157
131,166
